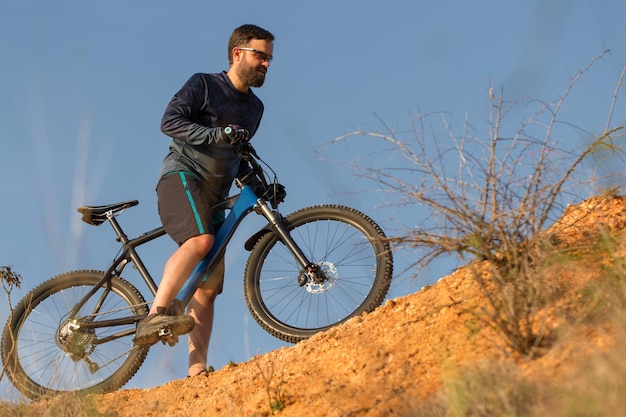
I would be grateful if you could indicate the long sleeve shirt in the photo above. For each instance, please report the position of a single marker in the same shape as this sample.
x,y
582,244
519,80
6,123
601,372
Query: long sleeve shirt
x,y
194,119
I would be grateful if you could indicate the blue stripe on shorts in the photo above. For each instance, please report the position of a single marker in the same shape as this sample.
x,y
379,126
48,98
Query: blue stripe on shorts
x,y
191,202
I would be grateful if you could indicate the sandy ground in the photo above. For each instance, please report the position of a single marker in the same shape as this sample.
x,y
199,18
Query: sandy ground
x,y
385,362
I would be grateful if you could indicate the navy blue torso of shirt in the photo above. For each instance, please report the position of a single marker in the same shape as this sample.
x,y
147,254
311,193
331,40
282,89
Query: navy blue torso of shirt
x,y
194,119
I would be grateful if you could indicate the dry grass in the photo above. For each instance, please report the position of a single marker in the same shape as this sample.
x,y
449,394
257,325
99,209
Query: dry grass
x,y
66,405
595,385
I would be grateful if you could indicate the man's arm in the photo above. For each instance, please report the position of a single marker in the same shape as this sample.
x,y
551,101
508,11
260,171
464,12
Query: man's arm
x,y
178,119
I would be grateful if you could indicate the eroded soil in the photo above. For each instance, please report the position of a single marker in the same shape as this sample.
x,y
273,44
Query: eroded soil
x,y
385,362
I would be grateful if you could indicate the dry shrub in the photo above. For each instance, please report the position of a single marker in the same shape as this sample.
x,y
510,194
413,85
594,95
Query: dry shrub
x,y
488,197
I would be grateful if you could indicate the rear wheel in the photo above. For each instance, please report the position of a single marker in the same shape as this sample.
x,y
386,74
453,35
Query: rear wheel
x,y
45,352
354,266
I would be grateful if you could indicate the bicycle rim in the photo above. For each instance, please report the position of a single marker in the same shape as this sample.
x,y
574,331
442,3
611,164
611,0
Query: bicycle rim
x,y
45,356
350,249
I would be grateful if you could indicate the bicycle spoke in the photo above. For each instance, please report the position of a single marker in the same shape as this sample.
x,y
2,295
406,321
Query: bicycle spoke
x,y
53,353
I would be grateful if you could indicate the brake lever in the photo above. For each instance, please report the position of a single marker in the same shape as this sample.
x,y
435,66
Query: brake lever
x,y
244,149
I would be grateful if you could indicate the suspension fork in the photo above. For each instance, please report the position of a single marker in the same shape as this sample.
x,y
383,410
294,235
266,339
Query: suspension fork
x,y
311,270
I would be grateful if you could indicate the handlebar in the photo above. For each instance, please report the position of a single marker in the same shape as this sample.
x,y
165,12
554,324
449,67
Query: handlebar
x,y
248,154
271,191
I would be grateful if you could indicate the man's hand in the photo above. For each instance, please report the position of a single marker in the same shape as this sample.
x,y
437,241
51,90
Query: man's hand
x,y
235,133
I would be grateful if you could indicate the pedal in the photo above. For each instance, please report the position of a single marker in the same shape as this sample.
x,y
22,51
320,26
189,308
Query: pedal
x,y
168,337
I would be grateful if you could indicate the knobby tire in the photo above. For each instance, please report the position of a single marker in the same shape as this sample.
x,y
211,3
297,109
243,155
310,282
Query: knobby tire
x,y
347,244
34,360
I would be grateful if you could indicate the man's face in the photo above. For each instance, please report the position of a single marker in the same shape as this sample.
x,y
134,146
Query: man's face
x,y
255,61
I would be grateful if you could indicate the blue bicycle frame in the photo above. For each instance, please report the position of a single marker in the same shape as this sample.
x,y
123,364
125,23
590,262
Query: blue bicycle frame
x,y
239,206
245,203
242,207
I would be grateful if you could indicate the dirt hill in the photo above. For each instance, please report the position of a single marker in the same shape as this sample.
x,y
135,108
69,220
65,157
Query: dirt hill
x,y
389,361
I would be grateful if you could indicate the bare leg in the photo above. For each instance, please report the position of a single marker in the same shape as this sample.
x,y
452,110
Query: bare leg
x,y
179,267
201,309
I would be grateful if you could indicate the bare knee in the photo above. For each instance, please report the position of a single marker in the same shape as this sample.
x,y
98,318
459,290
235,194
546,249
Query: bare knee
x,y
200,244
206,296
202,303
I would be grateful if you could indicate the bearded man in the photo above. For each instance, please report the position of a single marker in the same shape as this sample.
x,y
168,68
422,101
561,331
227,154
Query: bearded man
x,y
198,172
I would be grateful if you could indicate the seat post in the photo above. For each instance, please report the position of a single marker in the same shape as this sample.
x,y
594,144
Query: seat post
x,y
121,236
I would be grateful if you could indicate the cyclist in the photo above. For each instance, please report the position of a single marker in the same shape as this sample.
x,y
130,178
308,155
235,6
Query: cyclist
x,y
197,172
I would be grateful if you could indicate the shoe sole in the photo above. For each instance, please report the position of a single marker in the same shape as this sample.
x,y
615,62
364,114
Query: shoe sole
x,y
151,336
204,372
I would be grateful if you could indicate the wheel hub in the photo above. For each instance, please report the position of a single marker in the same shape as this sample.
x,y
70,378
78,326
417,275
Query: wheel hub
x,y
324,280
77,342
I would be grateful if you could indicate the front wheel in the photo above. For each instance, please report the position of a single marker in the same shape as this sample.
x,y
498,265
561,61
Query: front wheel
x,y
46,350
354,259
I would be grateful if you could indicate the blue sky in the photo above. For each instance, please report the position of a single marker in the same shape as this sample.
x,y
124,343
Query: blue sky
x,y
83,86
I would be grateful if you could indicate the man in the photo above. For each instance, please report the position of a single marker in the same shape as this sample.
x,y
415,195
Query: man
x,y
198,171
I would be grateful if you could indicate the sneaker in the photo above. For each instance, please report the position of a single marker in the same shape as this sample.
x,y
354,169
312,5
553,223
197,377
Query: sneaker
x,y
150,329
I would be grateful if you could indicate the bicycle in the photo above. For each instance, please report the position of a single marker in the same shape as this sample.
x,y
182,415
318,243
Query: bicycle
x,y
306,272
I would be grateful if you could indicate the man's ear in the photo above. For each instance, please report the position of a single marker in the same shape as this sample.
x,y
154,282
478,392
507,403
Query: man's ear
x,y
237,54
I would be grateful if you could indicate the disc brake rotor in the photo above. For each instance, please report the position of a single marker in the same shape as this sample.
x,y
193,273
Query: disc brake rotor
x,y
329,271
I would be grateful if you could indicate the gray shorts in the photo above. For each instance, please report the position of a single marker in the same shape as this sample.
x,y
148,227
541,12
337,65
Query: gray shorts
x,y
184,208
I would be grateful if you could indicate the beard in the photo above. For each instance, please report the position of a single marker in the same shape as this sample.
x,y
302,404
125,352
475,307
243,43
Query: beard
x,y
252,76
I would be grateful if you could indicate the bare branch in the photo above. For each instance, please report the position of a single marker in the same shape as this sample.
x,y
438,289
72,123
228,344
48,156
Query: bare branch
x,y
488,200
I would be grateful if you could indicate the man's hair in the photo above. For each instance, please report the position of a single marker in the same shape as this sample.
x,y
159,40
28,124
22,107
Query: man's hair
x,y
244,34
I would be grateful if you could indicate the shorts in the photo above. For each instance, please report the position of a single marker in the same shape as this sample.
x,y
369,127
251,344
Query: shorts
x,y
184,209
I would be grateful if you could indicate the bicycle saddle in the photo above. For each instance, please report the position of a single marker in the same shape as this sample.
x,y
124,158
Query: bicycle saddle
x,y
96,215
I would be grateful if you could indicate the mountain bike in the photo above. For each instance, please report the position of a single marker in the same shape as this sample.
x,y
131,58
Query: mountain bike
x,y
306,272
